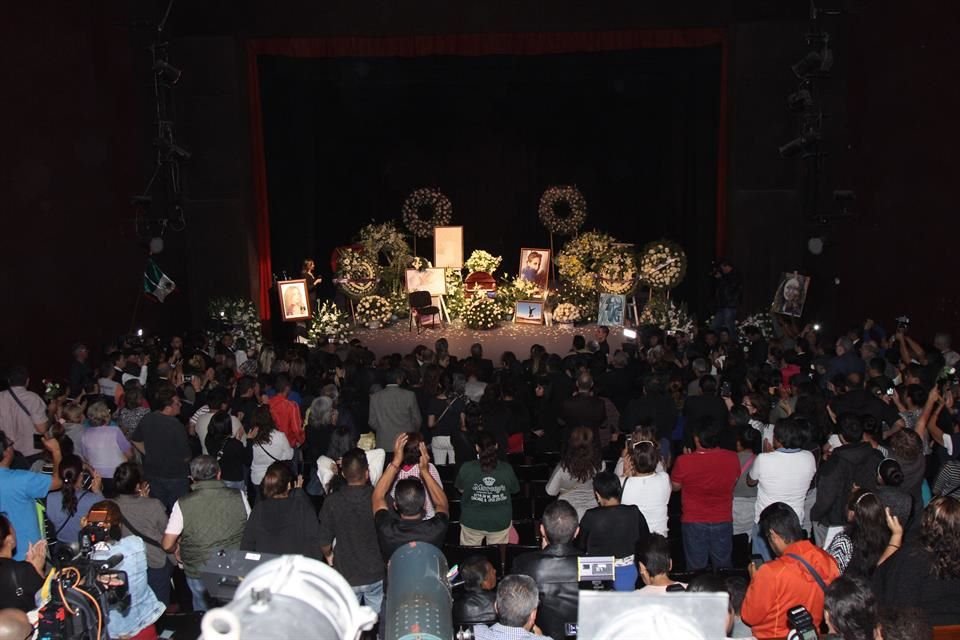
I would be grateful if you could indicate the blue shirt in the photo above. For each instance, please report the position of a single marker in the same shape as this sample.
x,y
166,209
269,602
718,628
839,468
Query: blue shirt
x,y
144,609
500,632
19,491
65,526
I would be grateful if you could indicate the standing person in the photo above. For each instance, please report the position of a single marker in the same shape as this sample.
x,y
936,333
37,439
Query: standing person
x,y
211,517
707,477
163,441
745,496
28,574
133,409
71,502
80,370
23,414
267,445
224,441
781,476
613,529
645,486
406,523
20,490
858,548
284,522
103,445
729,290
145,517
572,478
410,468
487,484
445,419
286,412
346,520
393,411
313,281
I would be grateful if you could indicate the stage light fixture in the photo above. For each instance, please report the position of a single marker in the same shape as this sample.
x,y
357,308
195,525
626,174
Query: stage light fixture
x,y
167,72
800,100
171,150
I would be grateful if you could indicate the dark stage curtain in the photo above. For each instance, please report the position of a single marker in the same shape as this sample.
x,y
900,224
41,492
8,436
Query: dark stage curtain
x,y
344,128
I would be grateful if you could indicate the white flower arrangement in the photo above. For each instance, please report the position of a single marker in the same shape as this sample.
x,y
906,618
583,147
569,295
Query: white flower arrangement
x,y
566,225
566,312
481,313
663,264
456,298
329,323
584,259
426,197
374,309
762,320
483,261
238,317
385,238
664,314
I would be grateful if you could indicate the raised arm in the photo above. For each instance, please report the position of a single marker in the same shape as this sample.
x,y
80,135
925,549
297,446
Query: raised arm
x,y
434,490
379,500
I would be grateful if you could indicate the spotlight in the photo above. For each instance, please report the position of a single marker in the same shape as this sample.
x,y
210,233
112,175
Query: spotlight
x,y
808,65
815,246
799,101
166,71
171,150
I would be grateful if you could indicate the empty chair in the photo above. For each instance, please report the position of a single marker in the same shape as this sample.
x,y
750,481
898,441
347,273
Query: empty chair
x,y
421,306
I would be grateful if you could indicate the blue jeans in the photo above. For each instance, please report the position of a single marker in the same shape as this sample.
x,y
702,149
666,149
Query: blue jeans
x,y
759,546
708,543
197,590
370,595
159,581
726,318
168,490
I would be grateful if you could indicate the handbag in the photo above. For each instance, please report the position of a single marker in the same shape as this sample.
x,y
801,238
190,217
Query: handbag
x,y
134,531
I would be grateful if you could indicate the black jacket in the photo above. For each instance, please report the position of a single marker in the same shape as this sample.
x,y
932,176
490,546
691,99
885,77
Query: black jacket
x,y
555,571
848,464
729,289
474,607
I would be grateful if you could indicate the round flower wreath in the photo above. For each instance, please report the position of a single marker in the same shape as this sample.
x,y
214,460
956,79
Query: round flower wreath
x,y
426,197
565,225
663,264
360,272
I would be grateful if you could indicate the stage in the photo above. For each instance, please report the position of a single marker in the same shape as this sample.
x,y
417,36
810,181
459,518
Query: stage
x,y
517,338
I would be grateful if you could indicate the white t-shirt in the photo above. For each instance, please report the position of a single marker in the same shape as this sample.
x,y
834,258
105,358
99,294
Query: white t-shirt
x,y
650,494
784,477
266,454
203,426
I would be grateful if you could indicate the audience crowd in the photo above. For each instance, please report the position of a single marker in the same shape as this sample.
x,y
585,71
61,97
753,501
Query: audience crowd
x,y
782,471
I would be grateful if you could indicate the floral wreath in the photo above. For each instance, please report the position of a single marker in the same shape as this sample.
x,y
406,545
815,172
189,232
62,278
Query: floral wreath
x,y
384,237
426,197
654,256
562,225
358,273
591,256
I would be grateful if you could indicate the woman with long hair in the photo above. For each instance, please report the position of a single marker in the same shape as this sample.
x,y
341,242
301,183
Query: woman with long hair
x,y
857,549
645,485
267,445
445,419
749,446
487,484
226,445
82,488
284,521
572,479
26,575
924,570
319,426
145,517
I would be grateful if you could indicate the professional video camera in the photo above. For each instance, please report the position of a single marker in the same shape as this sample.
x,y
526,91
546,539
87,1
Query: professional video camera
x,y
84,589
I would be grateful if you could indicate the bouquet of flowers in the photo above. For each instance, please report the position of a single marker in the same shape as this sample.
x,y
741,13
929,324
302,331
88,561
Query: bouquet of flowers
x,y
399,304
374,309
762,320
482,261
239,316
664,314
385,237
456,298
590,256
583,298
513,289
566,312
329,323
481,313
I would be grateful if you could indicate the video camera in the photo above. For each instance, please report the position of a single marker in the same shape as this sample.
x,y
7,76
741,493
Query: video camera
x,y
801,624
84,589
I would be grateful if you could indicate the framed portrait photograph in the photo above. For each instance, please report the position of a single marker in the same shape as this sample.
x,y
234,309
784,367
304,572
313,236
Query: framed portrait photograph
x,y
432,280
528,312
535,267
791,294
448,247
294,301
612,308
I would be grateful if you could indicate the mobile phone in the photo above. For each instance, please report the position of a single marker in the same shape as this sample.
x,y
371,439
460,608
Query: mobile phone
x,y
725,390
757,560
37,441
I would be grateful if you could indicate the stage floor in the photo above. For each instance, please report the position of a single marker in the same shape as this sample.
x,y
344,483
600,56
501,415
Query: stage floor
x,y
517,338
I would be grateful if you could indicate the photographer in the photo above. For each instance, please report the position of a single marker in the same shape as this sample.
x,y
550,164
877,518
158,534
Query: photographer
x,y
137,621
20,490
729,290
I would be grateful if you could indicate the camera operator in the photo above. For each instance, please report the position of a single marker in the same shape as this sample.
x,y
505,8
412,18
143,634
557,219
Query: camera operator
x,y
136,622
729,290
20,490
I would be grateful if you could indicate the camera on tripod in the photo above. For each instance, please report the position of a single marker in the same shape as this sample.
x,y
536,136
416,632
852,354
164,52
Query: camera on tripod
x,y
83,589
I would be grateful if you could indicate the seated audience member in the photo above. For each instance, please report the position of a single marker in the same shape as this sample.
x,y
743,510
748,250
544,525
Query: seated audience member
x,y
706,478
67,506
554,569
712,583
20,490
782,475
145,608
209,518
857,549
145,517
924,570
903,623
613,529
655,565
850,609
410,468
407,523
487,485
475,603
517,605
572,478
21,579
103,445
346,519
799,575
284,522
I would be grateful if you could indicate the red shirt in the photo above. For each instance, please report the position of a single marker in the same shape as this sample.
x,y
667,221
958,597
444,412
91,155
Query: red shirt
x,y
286,413
707,478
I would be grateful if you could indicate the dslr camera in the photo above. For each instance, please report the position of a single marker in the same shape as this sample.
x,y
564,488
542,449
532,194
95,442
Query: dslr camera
x,y
801,624
903,323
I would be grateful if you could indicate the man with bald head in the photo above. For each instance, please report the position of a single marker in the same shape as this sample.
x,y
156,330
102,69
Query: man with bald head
x,y
14,625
